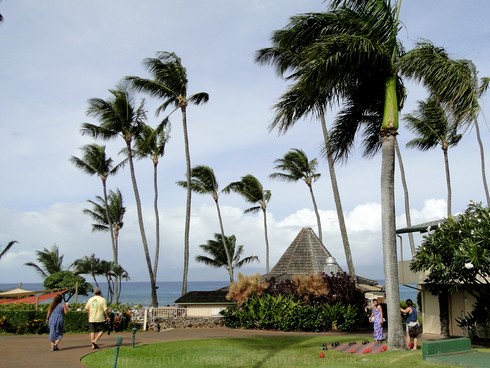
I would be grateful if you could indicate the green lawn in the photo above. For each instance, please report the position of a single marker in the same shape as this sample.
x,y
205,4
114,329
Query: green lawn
x,y
253,352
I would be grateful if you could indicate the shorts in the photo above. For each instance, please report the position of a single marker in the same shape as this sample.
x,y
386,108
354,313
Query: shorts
x,y
96,326
411,324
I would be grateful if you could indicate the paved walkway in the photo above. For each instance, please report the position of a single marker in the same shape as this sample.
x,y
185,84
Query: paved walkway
x,y
28,351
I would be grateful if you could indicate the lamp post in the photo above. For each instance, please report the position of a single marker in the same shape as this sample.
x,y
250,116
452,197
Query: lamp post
x,y
331,266
118,344
133,331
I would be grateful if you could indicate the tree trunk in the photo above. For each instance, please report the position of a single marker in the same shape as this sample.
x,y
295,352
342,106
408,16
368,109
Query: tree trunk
x,y
317,213
266,241
227,252
443,299
188,201
405,193
157,219
390,258
482,160
154,297
111,231
448,181
338,202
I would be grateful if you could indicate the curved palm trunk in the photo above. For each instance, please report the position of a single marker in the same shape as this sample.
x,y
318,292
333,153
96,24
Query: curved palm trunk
x,y
482,160
111,231
188,202
117,287
223,239
338,202
264,211
405,194
157,219
388,133
317,213
448,181
154,297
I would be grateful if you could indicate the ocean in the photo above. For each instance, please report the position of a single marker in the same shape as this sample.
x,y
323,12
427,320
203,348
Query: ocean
x,y
134,293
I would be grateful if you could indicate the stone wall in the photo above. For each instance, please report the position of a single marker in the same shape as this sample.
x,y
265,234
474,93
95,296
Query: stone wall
x,y
185,322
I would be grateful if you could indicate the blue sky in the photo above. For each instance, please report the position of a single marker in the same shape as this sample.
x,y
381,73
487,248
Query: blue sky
x,y
57,54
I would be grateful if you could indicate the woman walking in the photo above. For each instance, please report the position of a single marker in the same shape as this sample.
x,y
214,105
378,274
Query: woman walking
x,y
377,320
55,320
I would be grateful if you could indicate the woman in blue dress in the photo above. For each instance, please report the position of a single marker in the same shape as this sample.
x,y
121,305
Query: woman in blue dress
x,y
55,320
377,320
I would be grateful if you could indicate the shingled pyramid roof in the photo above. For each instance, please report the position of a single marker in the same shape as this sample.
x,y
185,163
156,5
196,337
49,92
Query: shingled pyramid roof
x,y
305,256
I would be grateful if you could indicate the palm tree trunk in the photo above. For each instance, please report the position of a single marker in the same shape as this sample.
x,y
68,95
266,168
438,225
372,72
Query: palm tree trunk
x,y
338,202
317,213
388,226
111,229
223,238
154,297
157,219
405,193
448,181
188,202
266,241
482,160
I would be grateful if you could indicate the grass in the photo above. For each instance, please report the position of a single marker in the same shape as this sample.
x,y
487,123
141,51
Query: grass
x,y
253,352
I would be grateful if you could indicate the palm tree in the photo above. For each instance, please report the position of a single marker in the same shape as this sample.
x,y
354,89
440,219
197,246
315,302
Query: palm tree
x,y
96,162
351,54
204,182
169,83
151,144
250,188
219,257
50,262
88,265
120,117
434,126
7,248
119,273
295,166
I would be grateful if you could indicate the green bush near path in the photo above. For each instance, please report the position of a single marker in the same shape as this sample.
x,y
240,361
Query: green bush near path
x,y
257,352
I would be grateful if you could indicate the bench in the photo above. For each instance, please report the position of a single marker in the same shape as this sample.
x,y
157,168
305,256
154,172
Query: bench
x,y
444,347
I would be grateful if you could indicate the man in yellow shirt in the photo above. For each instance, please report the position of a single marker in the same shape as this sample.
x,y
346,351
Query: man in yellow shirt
x,y
98,314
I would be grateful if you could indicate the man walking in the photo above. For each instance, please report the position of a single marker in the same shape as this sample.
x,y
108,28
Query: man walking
x,y
98,314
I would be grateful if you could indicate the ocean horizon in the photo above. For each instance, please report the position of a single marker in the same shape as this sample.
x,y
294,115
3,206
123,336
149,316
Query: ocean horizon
x,y
138,292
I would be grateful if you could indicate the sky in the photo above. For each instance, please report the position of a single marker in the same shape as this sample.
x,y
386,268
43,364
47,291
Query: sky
x,y
56,55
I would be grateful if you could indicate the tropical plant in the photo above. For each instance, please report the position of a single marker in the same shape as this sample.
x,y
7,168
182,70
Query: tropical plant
x,y
120,274
49,261
74,284
219,258
120,117
250,188
88,265
169,83
351,54
151,144
96,162
7,248
246,287
434,126
295,166
204,182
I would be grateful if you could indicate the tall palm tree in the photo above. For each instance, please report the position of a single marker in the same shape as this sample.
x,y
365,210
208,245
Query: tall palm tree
x,y
7,248
119,273
96,162
151,144
351,54
219,257
295,166
88,265
120,117
434,126
204,182
251,189
49,262
169,83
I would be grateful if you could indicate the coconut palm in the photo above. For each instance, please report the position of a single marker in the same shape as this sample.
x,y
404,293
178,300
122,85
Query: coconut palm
x,y
434,126
49,262
120,274
120,117
219,257
96,162
204,182
351,54
250,188
7,248
151,144
88,265
116,208
295,166
169,83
